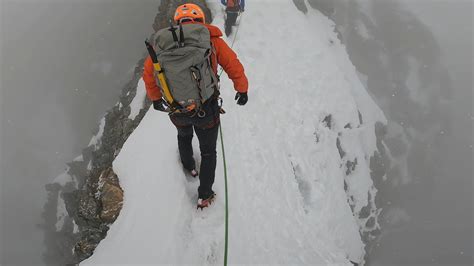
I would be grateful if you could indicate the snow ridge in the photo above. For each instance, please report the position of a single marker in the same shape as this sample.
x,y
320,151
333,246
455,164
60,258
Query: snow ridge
x,y
296,152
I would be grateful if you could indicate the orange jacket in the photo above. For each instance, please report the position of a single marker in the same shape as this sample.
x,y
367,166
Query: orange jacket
x,y
223,55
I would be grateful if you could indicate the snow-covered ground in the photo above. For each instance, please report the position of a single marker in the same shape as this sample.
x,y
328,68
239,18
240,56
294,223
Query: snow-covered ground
x,y
287,197
137,104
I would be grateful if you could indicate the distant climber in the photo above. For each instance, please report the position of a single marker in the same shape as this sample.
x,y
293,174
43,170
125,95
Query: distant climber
x,y
233,9
181,78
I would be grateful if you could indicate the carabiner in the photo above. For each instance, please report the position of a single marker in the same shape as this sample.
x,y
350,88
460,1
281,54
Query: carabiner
x,y
201,113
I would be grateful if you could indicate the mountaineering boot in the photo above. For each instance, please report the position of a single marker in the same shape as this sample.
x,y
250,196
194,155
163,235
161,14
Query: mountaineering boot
x,y
203,203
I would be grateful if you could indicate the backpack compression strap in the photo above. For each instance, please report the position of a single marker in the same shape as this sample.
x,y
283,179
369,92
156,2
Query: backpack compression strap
x,y
214,76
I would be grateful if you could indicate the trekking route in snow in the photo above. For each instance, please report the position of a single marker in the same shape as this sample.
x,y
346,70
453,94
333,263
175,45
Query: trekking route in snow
x,y
286,177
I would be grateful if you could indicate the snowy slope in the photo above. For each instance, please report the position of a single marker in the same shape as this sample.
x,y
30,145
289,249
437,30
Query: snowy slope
x,y
288,204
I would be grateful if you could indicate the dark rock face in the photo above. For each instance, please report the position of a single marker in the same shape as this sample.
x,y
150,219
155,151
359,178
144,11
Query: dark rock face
x,y
93,197
342,153
88,206
351,166
301,5
59,242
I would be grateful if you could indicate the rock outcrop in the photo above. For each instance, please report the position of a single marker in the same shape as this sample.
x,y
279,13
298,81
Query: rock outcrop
x,y
89,189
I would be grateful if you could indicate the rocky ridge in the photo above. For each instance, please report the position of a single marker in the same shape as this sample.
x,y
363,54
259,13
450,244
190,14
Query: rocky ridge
x,y
87,198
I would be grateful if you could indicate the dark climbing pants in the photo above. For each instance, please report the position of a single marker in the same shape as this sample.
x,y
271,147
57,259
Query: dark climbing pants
x,y
206,129
231,18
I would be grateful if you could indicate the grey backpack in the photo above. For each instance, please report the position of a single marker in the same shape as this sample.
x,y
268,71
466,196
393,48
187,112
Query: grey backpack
x,y
184,54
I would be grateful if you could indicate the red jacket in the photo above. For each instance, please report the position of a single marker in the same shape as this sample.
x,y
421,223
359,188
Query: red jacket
x,y
223,55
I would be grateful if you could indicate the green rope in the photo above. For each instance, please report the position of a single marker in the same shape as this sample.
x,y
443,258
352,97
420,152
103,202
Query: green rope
x,y
225,171
237,31
226,198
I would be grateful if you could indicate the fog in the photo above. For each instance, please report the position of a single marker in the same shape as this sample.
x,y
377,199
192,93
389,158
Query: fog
x,y
437,203
63,65
416,60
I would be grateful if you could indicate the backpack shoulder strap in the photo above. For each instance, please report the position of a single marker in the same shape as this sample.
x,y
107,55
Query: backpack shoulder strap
x,y
214,77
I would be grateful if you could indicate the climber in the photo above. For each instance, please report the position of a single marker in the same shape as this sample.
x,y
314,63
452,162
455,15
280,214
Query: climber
x,y
189,93
233,9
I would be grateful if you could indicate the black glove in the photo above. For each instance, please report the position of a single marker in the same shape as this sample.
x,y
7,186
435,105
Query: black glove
x,y
241,98
161,105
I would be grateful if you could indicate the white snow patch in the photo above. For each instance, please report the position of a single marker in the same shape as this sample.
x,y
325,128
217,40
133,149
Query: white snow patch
x,y
95,141
63,178
75,229
100,185
137,103
61,212
76,182
79,158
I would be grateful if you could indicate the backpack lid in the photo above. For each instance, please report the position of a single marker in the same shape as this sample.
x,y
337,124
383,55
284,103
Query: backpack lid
x,y
195,34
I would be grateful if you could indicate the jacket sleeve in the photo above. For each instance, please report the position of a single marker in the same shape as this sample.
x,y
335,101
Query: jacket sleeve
x,y
152,89
231,65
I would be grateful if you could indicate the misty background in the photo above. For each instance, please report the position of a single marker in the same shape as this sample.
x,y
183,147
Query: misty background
x,y
63,64
416,60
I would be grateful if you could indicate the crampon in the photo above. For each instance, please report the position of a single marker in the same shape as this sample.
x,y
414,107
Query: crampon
x,y
204,203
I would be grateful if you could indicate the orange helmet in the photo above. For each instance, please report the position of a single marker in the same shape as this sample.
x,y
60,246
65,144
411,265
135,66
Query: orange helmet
x,y
189,12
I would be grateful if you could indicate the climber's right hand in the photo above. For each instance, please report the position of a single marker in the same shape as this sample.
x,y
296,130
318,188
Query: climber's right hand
x,y
161,105
241,98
